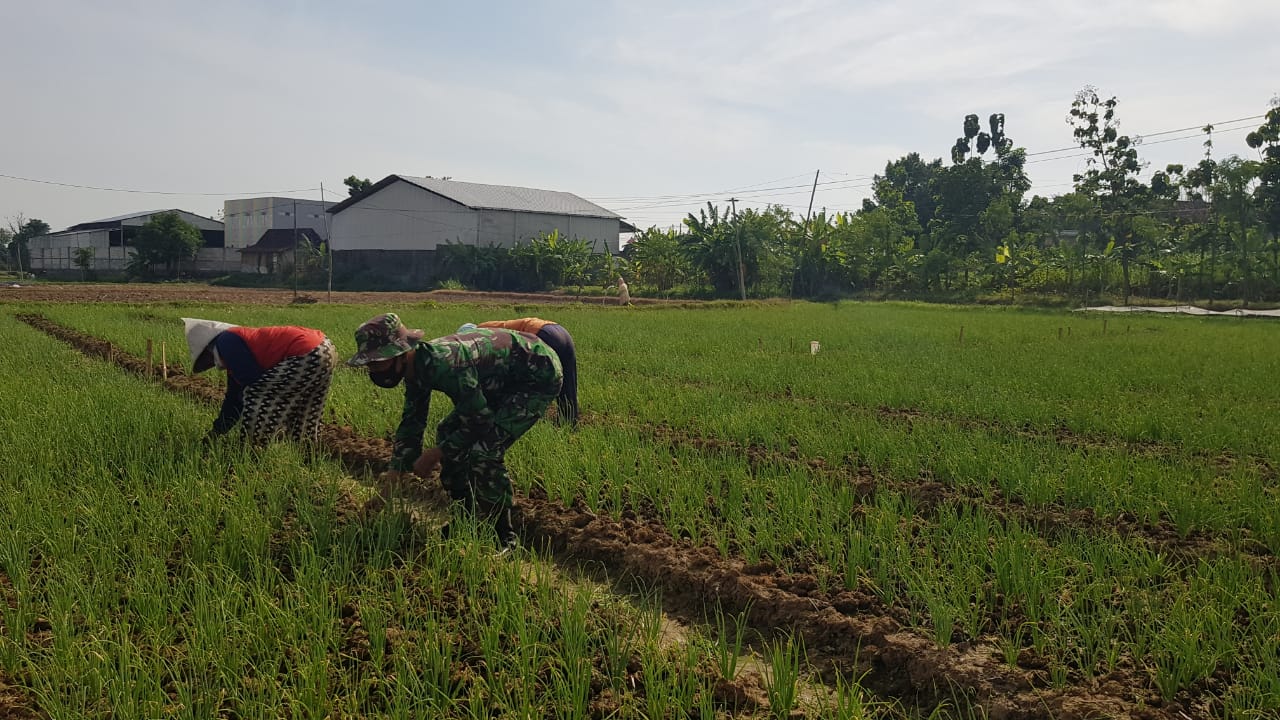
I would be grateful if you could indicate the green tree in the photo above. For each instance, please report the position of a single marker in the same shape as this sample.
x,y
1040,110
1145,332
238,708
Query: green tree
x,y
1266,140
714,240
22,231
1111,179
874,247
1234,206
909,179
166,240
709,245
480,267
83,258
6,238
656,259
550,260
975,140
355,185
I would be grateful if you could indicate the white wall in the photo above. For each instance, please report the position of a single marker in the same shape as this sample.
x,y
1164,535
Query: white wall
x,y
56,251
603,231
208,260
402,216
201,222
246,220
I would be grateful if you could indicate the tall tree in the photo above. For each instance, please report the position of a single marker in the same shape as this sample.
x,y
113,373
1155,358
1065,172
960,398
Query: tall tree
x,y
22,231
6,236
1266,140
656,258
355,185
1236,212
909,179
1112,175
166,240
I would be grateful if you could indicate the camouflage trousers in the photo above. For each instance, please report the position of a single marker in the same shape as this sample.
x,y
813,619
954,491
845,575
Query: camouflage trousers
x,y
479,472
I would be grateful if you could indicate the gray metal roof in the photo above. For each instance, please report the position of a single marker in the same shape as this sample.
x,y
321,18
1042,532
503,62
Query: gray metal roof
x,y
508,197
136,215
130,216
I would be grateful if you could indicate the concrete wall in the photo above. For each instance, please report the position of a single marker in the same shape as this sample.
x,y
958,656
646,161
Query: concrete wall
x,y
387,269
246,220
402,216
603,232
199,221
61,260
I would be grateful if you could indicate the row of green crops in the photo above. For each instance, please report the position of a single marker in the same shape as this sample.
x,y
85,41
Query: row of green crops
x,y
144,575
1167,418
1198,487
1201,383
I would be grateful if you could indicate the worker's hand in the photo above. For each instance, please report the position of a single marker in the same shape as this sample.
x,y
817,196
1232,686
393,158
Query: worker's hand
x,y
427,462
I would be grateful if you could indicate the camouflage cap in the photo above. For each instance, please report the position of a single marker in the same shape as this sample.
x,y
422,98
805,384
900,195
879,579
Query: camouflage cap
x,y
382,337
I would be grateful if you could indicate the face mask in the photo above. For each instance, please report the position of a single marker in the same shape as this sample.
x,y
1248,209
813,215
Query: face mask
x,y
388,378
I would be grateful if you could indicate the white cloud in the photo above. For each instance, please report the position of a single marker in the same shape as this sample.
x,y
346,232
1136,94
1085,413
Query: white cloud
x,y
653,99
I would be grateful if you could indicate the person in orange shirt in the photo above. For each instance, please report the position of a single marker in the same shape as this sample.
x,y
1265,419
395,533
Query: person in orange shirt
x,y
277,377
559,339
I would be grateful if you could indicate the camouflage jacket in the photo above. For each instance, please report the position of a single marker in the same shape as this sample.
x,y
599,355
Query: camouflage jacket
x,y
470,368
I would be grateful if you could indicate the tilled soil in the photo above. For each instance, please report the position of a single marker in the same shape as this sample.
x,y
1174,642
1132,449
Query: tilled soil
x,y
1049,519
848,633
14,703
1067,437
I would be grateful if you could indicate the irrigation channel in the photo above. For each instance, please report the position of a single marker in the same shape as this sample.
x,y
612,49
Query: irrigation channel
x,y
846,634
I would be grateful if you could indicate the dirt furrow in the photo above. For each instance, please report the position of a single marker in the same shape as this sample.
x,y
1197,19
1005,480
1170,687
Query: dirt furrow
x,y
1062,435
928,495
850,634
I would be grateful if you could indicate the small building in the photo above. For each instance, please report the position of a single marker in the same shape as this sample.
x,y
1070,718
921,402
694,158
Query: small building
x,y
249,218
393,228
277,249
110,239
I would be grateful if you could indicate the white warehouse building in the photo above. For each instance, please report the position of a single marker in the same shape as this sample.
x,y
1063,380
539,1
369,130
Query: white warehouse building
x,y
249,219
391,231
407,213
110,240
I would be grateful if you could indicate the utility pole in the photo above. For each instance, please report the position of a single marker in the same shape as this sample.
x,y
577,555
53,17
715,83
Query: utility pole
x,y
737,242
809,214
808,228
328,240
295,249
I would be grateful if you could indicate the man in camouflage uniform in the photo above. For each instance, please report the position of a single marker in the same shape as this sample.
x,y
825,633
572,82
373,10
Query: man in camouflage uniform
x,y
500,381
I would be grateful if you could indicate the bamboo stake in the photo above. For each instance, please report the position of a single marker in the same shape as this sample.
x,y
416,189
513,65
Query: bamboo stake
x,y
164,362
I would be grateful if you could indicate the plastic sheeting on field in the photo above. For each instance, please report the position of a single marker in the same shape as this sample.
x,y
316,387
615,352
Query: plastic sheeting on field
x,y
1183,309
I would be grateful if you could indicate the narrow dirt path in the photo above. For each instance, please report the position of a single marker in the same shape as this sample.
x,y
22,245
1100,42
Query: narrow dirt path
x,y
850,634
928,495
1060,434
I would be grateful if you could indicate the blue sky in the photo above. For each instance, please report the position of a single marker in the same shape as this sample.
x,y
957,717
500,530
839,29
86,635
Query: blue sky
x,y
650,109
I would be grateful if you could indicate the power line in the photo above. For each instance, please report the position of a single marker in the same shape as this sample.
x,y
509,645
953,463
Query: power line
x,y
1085,153
1199,129
150,192
1076,148
681,200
